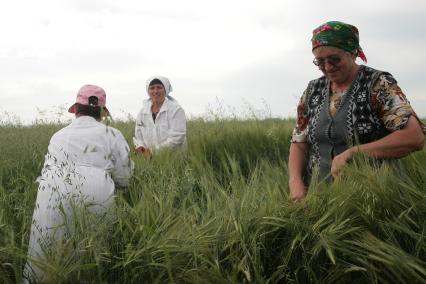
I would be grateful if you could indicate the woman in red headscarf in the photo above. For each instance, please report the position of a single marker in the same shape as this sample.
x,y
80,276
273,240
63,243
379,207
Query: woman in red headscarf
x,y
351,108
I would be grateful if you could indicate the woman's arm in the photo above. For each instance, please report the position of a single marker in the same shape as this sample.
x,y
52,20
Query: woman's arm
x,y
388,100
398,144
123,165
177,131
298,152
296,162
138,139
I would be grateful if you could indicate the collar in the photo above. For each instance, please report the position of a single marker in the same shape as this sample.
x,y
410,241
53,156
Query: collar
x,y
164,106
84,119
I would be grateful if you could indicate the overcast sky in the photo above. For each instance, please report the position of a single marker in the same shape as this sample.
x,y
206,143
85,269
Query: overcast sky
x,y
242,54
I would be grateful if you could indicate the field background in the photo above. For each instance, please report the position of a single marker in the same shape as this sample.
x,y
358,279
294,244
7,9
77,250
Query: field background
x,y
221,214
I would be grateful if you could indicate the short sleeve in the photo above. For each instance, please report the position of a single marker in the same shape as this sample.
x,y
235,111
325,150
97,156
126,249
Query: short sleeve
x,y
300,131
390,103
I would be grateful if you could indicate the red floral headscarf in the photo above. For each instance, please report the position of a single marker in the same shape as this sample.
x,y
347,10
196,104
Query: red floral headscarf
x,y
340,35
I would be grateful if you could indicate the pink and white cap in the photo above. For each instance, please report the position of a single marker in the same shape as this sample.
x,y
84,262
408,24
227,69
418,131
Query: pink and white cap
x,y
85,93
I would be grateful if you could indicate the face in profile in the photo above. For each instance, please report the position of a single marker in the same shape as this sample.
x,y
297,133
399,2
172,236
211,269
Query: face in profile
x,y
157,93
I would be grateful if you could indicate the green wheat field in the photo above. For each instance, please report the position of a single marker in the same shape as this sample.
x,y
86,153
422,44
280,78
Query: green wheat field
x,y
221,214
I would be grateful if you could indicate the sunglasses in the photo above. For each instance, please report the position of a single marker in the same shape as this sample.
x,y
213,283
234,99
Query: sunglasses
x,y
333,60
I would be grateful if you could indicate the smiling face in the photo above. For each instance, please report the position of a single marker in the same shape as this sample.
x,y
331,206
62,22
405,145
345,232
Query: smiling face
x,y
336,64
157,93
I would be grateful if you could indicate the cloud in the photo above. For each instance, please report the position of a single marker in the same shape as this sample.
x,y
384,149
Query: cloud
x,y
95,6
239,52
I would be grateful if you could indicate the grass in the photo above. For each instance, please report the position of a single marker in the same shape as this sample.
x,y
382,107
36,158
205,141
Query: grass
x,y
220,214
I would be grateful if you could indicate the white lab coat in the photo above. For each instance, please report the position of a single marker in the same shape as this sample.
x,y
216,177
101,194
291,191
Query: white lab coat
x,y
168,130
84,163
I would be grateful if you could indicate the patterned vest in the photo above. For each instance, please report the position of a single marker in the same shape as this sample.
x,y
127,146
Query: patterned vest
x,y
355,122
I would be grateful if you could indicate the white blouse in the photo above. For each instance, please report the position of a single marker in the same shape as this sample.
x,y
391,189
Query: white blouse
x,y
168,130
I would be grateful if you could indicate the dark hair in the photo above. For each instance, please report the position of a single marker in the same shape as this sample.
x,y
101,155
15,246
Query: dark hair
x,y
93,111
93,101
156,82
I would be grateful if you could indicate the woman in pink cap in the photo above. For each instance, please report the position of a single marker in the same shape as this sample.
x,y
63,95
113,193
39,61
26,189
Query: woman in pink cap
x,y
84,164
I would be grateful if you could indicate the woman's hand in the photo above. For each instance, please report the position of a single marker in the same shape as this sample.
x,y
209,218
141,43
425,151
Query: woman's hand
x,y
341,160
145,151
297,190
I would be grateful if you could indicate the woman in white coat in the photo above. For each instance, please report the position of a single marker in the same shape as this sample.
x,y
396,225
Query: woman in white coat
x,y
85,161
161,123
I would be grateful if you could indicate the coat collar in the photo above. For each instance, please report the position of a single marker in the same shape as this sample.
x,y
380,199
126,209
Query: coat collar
x,y
85,119
163,108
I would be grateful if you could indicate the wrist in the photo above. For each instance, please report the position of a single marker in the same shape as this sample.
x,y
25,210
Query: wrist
x,y
296,185
295,179
353,150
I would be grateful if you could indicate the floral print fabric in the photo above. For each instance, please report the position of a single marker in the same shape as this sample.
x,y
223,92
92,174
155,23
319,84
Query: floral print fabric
x,y
340,35
387,100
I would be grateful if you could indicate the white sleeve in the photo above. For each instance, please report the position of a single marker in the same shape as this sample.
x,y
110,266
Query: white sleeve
x,y
138,139
123,165
177,132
